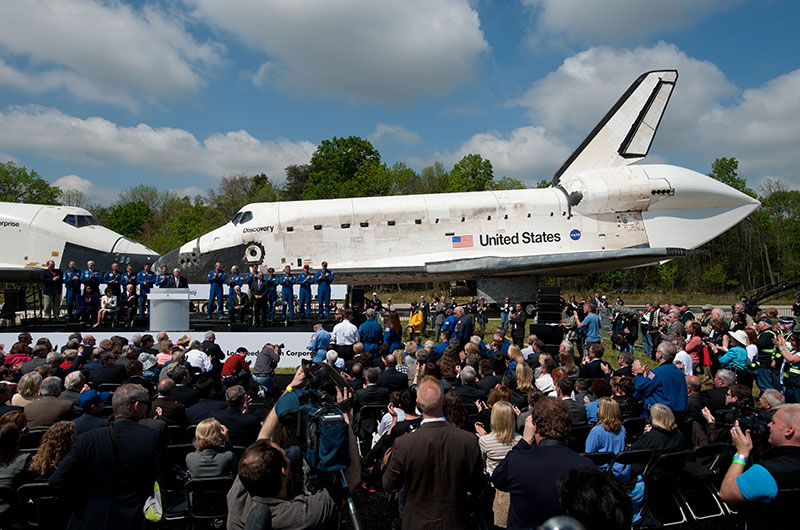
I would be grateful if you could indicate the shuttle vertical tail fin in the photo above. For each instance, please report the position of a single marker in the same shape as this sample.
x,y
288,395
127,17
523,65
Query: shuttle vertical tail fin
x,y
625,133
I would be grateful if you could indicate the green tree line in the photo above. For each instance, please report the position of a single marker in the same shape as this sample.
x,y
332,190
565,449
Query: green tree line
x,y
762,249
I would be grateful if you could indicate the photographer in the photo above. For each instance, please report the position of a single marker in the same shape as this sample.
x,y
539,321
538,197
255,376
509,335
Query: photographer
x,y
791,367
265,478
763,486
264,367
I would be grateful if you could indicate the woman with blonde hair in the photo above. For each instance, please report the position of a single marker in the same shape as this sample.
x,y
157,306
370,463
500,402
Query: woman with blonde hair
x,y
212,457
567,362
661,434
524,377
515,356
494,448
608,436
27,389
55,445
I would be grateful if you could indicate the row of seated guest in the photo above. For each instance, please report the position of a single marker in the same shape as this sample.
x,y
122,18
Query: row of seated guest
x,y
94,309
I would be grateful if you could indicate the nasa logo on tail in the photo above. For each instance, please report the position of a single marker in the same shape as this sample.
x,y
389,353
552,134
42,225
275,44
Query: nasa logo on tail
x,y
575,235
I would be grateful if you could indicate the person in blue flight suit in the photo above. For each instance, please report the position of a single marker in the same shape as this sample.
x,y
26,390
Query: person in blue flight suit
x,y
272,292
304,280
162,277
449,323
251,280
91,277
287,291
113,279
216,279
324,278
146,279
371,333
128,278
72,281
234,279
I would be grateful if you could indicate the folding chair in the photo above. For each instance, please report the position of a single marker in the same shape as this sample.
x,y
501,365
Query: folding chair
x,y
108,387
32,439
634,427
42,506
638,458
206,498
661,484
697,488
11,513
600,459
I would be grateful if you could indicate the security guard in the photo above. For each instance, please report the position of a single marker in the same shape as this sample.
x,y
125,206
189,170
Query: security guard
x,y
287,291
304,280
72,281
146,279
791,367
768,374
324,278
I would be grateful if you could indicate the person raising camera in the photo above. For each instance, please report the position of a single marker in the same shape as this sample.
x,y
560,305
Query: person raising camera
x,y
762,489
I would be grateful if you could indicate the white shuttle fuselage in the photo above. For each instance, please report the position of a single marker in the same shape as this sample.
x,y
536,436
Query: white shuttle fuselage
x,y
600,213
33,234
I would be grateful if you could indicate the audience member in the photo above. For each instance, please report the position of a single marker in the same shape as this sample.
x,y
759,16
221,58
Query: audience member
x,y
211,459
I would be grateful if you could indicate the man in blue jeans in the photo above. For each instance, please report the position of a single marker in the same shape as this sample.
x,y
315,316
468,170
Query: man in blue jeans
x,y
590,326
264,368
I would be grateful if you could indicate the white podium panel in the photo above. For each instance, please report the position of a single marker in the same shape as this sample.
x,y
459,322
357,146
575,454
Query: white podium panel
x,y
169,309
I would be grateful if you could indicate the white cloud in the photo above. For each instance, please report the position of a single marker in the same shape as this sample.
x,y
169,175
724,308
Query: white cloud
x,y
571,100
100,51
381,50
262,75
93,192
527,153
761,129
616,21
50,133
394,133
188,191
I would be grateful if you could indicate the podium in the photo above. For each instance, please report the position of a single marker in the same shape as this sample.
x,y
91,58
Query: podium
x,y
169,309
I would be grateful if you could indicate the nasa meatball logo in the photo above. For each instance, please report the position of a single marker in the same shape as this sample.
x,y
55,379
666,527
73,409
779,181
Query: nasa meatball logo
x,y
575,235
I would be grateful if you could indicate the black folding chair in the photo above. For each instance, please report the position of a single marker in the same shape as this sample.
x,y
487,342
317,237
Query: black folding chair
x,y
600,459
11,513
108,387
634,427
176,453
366,423
206,497
177,434
661,485
577,438
32,439
640,459
190,430
42,506
698,488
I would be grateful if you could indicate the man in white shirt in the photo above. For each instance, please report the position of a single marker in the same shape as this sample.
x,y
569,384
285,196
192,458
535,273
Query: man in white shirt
x,y
199,359
344,335
682,359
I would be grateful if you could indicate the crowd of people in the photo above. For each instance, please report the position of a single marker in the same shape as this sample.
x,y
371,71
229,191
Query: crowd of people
x,y
464,428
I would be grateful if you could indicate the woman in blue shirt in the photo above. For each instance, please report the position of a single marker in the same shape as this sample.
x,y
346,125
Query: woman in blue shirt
x,y
735,356
393,334
608,436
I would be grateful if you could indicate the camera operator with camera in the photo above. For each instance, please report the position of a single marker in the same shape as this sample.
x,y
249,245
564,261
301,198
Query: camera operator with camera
x,y
261,490
264,367
767,490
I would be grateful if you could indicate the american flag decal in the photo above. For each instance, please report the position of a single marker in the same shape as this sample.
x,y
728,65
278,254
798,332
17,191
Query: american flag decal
x,y
462,242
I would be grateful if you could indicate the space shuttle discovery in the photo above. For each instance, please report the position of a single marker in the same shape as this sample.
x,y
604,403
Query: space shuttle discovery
x,y
599,213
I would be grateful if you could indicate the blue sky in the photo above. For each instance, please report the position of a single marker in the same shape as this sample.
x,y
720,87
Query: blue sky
x,y
99,96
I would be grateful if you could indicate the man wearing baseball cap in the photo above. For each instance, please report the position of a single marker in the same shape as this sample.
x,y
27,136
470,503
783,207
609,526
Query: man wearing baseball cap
x,y
92,402
304,280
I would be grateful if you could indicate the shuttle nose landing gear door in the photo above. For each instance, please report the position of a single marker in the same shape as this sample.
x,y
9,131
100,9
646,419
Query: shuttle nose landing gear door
x,y
254,254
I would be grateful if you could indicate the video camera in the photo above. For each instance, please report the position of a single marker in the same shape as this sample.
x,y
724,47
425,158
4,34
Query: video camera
x,y
749,418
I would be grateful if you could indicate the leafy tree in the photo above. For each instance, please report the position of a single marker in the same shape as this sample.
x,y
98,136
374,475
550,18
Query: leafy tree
x,y
296,178
432,179
471,173
18,184
508,183
726,170
238,190
129,218
542,184
74,198
335,163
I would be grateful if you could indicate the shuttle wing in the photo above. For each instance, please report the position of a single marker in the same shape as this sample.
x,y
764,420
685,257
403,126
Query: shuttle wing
x,y
625,133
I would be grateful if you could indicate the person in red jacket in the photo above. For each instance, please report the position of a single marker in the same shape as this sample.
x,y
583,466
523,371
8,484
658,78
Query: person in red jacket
x,y
236,371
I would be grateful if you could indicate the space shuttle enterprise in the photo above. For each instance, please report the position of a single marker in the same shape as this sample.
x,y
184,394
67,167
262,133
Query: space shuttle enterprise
x,y
599,213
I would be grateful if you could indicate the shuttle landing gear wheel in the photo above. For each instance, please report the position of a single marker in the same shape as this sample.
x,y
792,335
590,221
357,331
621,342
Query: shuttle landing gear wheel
x,y
254,254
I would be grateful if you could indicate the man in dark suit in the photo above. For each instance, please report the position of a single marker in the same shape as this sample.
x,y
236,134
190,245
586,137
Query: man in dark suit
x,y
391,379
242,427
259,290
468,390
532,468
371,394
488,380
47,409
716,397
695,401
128,304
625,363
438,464
206,406
214,352
593,368
564,388
184,393
176,281
108,371
128,455
165,408
52,281
92,403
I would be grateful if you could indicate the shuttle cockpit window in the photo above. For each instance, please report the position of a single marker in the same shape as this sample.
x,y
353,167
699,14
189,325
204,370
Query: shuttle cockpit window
x,y
242,217
80,220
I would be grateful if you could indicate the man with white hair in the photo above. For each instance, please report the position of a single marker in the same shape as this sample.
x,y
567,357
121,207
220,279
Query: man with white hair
x,y
468,389
675,327
665,384
214,352
91,277
464,326
47,409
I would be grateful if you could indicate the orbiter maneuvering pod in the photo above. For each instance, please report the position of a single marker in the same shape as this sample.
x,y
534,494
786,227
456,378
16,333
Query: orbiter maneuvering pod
x,y
599,213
